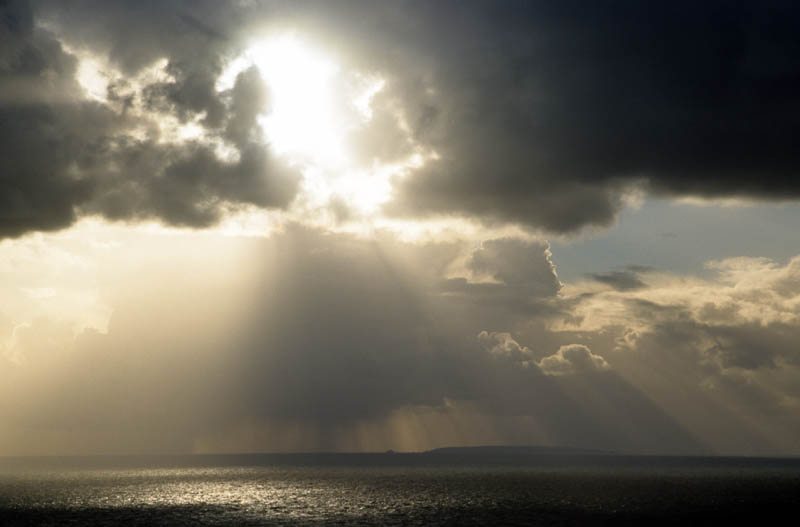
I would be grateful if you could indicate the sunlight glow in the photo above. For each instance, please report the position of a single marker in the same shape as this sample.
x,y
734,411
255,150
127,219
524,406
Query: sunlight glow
x,y
92,79
314,105
306,121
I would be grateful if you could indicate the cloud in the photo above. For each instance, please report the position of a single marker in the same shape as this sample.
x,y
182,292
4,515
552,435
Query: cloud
x,y
534,114
727,342
331,341
67,155
518,264
506,280
625,280
503,344
38,146
553,115
572,359
341,337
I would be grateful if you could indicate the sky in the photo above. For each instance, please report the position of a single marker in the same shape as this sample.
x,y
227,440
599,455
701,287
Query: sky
x,y
265,226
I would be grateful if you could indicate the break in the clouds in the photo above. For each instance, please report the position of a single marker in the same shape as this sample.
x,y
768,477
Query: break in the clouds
x,y
550,116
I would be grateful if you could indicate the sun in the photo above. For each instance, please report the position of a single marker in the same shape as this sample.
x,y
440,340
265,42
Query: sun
x,y
306,121
315,106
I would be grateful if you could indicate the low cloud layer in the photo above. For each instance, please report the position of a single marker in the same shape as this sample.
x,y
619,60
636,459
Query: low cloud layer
x,y
322,341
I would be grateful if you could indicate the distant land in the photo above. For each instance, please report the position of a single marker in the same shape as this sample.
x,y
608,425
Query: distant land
x,y
550,457
514,450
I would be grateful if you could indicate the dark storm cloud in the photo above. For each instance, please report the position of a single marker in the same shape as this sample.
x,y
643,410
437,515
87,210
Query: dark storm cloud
x,y
136,33
547,113
189,185
38,142
65,156
549,110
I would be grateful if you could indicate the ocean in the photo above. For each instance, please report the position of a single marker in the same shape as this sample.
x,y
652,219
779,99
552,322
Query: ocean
x,y
396,489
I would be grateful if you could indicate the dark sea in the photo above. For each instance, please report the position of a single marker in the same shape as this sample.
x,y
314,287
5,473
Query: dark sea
x,y
398,489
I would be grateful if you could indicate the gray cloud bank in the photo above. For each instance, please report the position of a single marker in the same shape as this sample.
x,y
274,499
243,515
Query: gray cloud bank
x,y
544,114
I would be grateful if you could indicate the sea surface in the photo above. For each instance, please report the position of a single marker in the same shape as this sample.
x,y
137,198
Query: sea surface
x,y
397,489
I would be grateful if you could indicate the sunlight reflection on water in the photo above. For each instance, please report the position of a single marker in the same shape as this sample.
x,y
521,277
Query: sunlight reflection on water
x,y
381,495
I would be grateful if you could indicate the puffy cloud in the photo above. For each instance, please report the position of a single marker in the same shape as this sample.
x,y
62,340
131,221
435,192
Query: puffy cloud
x,y
503,344
572,359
